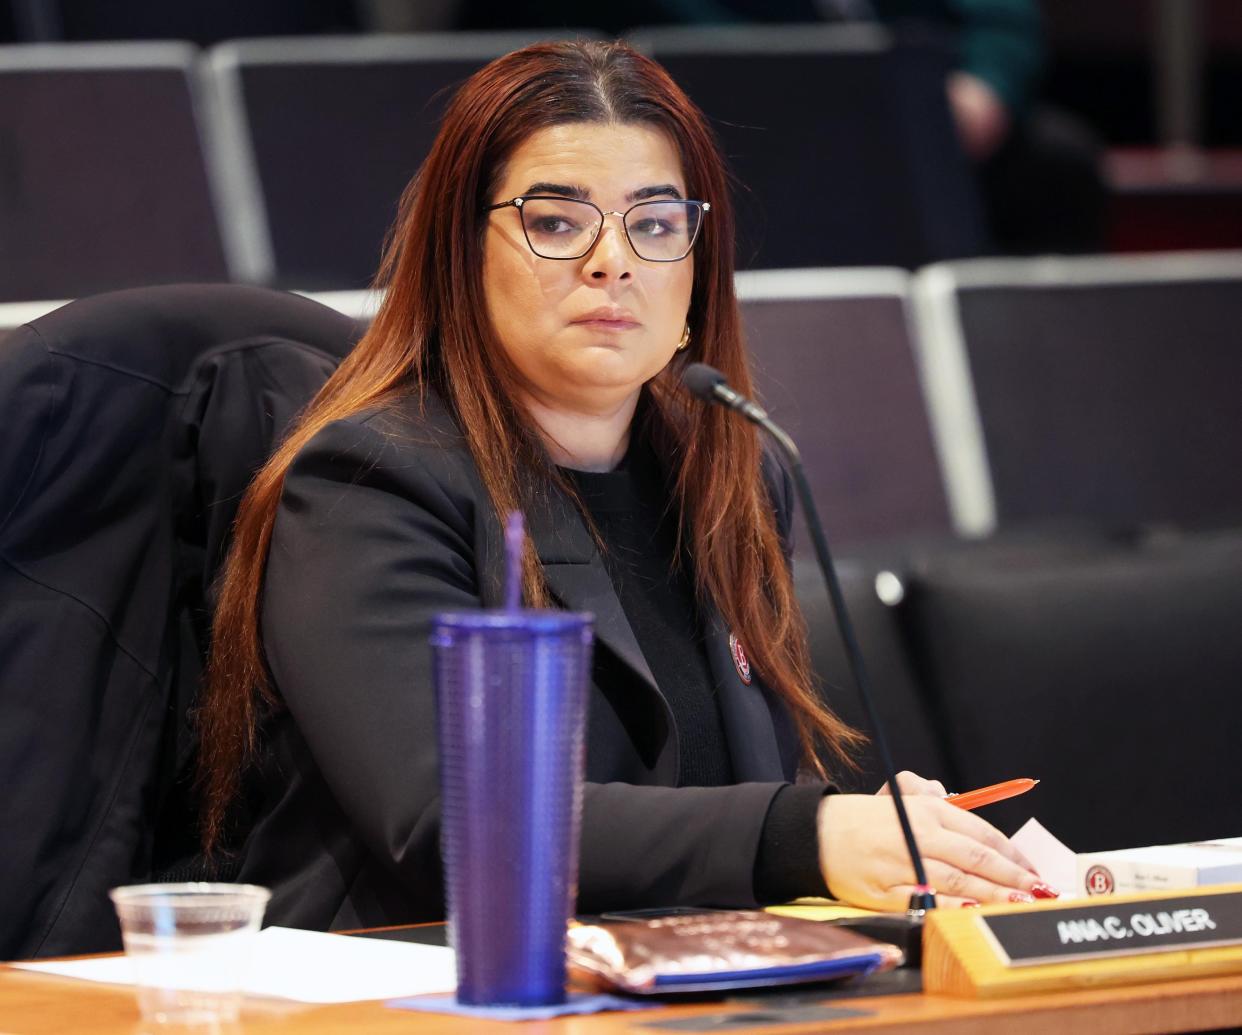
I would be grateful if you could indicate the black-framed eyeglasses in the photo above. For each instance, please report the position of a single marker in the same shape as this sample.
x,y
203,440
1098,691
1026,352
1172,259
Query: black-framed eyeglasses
x,y
565,228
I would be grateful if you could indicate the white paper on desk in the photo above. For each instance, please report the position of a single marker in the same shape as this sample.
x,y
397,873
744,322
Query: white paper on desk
x,y
1054,863
308,967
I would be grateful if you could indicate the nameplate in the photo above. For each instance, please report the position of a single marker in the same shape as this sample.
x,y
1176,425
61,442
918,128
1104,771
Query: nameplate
x,y
1102,929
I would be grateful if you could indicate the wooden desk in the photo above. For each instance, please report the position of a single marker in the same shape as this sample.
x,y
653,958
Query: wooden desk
x,y
40,1004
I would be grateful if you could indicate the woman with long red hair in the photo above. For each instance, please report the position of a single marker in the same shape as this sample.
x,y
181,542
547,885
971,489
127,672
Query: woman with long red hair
x,y
565,248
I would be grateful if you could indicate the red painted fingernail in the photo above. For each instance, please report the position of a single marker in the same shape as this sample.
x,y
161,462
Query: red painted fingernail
x,y
1041,890
1020,896
970,903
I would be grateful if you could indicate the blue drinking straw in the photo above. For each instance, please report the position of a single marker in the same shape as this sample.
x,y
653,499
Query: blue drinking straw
x,y
515,536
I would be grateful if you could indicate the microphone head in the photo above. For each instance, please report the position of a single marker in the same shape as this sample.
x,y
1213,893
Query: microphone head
x,y
700,379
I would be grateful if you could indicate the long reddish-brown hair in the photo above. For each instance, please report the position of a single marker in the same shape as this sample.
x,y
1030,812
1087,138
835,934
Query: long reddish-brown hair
x,y
432,332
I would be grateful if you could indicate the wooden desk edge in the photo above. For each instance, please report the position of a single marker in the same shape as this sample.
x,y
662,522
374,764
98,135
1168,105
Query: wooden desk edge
x,y
32,1003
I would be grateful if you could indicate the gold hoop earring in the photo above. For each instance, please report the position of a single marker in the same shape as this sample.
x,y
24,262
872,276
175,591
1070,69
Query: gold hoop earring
x,y
685,339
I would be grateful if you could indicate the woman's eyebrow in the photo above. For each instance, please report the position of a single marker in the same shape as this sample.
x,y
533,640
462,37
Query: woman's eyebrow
x,y
658,191
567,190
570,190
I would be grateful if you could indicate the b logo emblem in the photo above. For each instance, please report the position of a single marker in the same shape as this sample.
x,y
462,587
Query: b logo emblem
x,y
739,659
1099,881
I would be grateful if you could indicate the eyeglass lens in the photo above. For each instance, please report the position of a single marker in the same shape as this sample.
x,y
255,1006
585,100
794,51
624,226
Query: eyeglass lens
x,y
559,228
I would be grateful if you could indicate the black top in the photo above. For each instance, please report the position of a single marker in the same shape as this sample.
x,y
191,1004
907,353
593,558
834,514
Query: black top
x,y
630,508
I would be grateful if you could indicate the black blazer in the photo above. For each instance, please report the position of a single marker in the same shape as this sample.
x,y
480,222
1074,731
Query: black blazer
x,y
384,521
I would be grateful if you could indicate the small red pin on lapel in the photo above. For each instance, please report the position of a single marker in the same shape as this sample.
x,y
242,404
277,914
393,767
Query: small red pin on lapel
x,y
739,658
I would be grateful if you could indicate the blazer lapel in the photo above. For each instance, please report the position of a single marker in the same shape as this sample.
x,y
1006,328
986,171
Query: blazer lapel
x,y
571,563
579,580
754,722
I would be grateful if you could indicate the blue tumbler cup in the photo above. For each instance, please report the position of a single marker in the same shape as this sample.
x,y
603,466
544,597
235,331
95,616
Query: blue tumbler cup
x,y
511,689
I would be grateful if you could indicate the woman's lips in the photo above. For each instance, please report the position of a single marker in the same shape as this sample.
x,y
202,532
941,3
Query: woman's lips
x,y
607,318
599,324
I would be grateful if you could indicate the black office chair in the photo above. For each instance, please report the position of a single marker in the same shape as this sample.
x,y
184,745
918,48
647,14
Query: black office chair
x,y
104,179
133,422
1099,389
835,365
319,136
1107,669
913,729
841,139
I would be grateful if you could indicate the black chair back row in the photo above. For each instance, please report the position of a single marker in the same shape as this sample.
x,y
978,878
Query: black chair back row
x,y
984,396
281,161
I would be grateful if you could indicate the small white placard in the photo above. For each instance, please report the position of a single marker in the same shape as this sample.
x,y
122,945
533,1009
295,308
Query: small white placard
x,y
1053,861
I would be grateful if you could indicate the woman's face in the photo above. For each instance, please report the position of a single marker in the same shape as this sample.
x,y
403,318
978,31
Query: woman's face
x,y
585,334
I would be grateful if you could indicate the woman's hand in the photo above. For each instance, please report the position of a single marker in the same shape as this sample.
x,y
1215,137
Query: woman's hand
x,y
982,120
912,783
968,861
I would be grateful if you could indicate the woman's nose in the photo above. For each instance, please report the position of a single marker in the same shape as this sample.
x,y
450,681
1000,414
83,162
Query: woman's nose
x,y
611,257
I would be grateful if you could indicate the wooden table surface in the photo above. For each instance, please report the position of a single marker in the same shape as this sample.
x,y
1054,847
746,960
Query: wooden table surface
x,y
41,1004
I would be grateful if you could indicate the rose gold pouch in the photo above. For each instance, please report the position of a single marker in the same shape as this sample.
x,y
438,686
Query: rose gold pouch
x,y
720,950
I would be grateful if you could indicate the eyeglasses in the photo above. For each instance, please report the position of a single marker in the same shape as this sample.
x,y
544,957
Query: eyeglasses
x,y
562,228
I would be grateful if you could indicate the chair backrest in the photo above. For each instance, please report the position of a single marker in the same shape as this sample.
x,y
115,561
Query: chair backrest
x,y
359,306
835,365
1104,389
14,314
133,422
321,135
912,726
103,179
1108,670
840,137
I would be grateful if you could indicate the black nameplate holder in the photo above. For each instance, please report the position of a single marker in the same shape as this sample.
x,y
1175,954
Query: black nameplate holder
x,y
1103,929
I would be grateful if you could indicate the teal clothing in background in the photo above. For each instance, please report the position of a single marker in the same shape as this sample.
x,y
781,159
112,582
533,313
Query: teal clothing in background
x,y
1000,41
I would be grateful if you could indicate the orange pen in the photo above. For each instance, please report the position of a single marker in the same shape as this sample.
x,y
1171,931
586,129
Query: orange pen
x,y
987,795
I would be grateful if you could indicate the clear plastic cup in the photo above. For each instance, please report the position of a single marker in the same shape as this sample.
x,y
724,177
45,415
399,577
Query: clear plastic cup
x,y
190,947
511,691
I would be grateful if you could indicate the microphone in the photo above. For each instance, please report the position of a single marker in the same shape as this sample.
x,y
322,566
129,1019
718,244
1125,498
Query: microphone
x,y
709,384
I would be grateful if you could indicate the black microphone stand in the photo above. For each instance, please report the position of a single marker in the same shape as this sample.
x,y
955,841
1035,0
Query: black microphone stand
x,y
924,897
